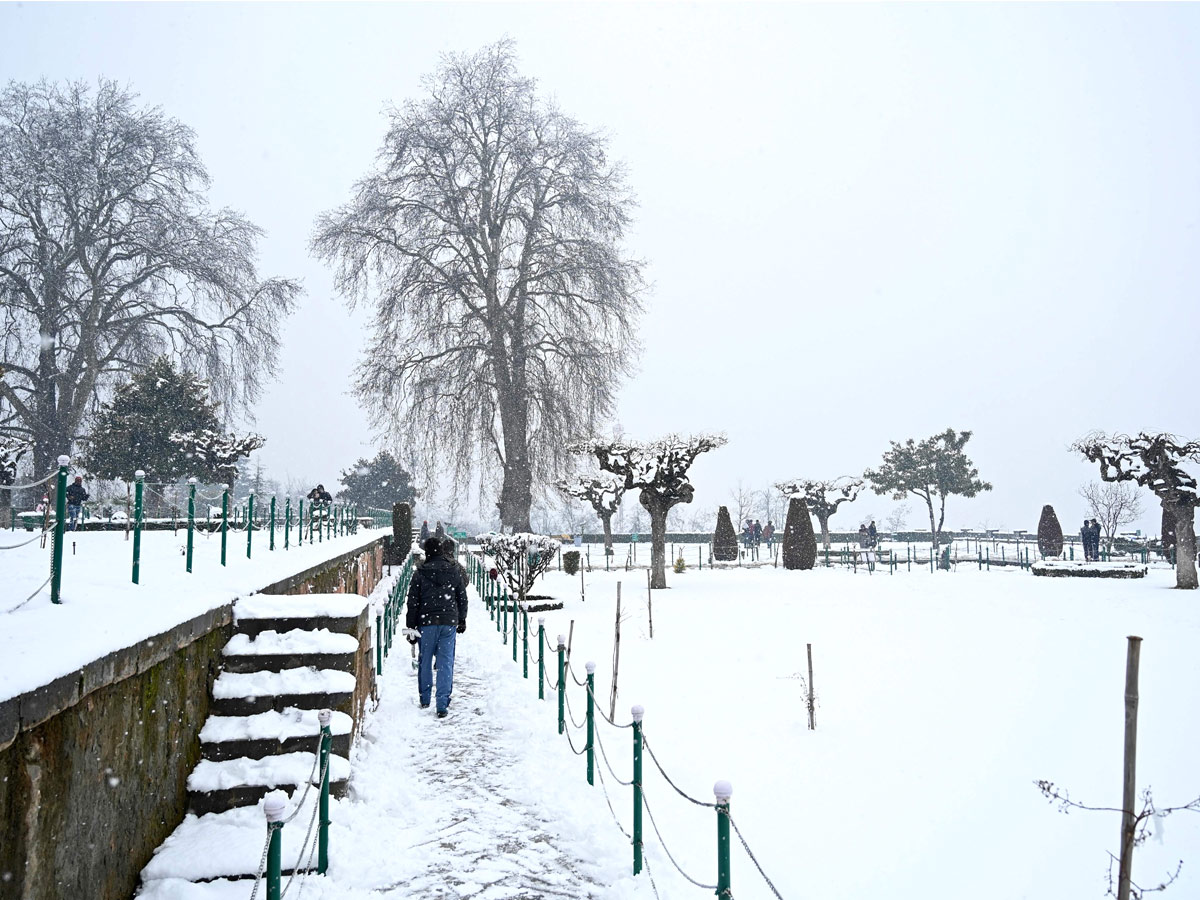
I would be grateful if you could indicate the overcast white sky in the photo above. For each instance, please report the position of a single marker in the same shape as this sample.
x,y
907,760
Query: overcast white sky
x,y
862,222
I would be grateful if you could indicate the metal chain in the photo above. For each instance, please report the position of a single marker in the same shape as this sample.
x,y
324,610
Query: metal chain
x,y
649,874
610,768
567,695
603,716
308,834
28,484
567,732
36,537
607,800
307,785
707,887
678,790
738,831
30,597
571,669
262,863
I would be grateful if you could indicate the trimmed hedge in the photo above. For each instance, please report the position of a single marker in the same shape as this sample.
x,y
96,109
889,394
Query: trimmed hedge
x,y
799,541
1049,534
725,542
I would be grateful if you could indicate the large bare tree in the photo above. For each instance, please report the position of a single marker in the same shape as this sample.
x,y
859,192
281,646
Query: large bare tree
x,y
488,244
1157,462
110,256
1112,504
823,497
659,471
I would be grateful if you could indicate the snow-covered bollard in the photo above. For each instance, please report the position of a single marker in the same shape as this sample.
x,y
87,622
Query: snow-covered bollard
x,y
638,713
325,716
562,684
591,721
274,807
723,790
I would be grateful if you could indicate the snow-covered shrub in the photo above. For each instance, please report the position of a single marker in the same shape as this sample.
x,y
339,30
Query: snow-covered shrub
x,y
519,558
680,564
1050,536
570,561
725,543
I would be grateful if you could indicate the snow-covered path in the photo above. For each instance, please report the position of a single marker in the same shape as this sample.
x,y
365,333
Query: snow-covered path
x,y
488,803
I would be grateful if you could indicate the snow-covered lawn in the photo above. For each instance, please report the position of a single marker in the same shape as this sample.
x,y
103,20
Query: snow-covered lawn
x,y
102,610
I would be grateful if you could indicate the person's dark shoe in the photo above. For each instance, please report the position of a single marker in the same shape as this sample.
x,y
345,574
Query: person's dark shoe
x,y
424,706
442,713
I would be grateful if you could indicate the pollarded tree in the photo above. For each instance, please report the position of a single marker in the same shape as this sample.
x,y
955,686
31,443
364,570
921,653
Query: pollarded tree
x,y
1155,461
799,542
933,469
110,256
725,541
659,472
378,482
132,430
219,454
489,243
519,558
603,492
1049,533
823,497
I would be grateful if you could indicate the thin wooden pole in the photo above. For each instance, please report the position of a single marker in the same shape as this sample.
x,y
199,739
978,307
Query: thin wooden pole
x,y
612,697
650,604
1129,788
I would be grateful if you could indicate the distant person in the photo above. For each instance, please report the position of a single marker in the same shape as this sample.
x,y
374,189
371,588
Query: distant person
x,y
320,497
769,534
1096,540
872,534
757,532
76,494
440,531
437,612
748,534
424,532
863,537
1085,536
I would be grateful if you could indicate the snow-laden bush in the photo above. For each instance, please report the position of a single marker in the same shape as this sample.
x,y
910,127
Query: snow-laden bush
x,y
519,558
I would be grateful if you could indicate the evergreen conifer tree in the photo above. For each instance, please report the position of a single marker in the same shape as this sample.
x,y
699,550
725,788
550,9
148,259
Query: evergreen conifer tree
x,y
1050,535
725,544
799,540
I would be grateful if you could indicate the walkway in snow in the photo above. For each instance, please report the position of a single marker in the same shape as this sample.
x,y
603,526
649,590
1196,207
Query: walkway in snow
x,y
488,803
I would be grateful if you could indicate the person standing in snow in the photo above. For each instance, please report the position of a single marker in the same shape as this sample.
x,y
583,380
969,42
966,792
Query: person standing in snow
x,y
440,531
757,533
769,534
863,537
424,532
1095,540
1085,537
320,497
76,494
437,612
872,534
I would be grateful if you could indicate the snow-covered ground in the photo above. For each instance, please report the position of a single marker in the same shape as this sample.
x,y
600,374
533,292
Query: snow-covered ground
x,y
102,610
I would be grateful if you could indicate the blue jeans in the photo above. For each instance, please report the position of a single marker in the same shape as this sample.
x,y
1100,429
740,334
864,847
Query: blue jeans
x,y
436,640
73,512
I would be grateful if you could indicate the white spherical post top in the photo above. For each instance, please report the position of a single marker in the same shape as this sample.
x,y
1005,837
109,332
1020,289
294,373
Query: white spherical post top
x,y
325,716
562,641
274,806
591,667
722,790
139,474
638,713
64,460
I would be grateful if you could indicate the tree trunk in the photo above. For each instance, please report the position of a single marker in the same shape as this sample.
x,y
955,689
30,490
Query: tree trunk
x,y
824,520
933,531
516,493
1185,546
658,542
607,522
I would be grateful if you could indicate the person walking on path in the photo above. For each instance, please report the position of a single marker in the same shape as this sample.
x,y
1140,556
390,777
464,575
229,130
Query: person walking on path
x,y
437,612
424,532
440,531
76,494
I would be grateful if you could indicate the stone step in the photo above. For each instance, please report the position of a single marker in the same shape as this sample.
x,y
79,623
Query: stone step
x,y
247,693
219,888
218,786
226,845
270,733
274,651
337,613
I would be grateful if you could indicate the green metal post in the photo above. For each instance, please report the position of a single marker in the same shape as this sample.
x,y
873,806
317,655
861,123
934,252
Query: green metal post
x,y
249,524
379,644
300,525
287,522
324,717
541,657
272,542
525,657
191,520
139,478
274,809
562,684
723,790
60,521
515,628
638,714
504,627
980,555
987,558
224,522
591,722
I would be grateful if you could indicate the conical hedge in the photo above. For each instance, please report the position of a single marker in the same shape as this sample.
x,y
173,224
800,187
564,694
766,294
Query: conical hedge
x,y
725,544
799,542
1050,536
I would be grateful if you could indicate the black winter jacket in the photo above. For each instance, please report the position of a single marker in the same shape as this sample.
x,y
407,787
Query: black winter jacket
x,y
437,594
76,494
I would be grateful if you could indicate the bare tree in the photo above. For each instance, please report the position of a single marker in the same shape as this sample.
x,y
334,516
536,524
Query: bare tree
x,y
659,471
489,243
1155,461
744,500
1112,504
110,256
603,491
823,497
218,453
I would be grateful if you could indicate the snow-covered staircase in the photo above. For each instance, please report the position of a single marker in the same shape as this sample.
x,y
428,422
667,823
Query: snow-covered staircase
x,y
290,657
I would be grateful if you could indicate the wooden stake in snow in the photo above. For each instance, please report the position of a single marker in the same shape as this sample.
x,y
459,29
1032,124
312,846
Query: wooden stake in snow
x,y
1128,814
582,590
812,700
650,604
612,696
570,638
